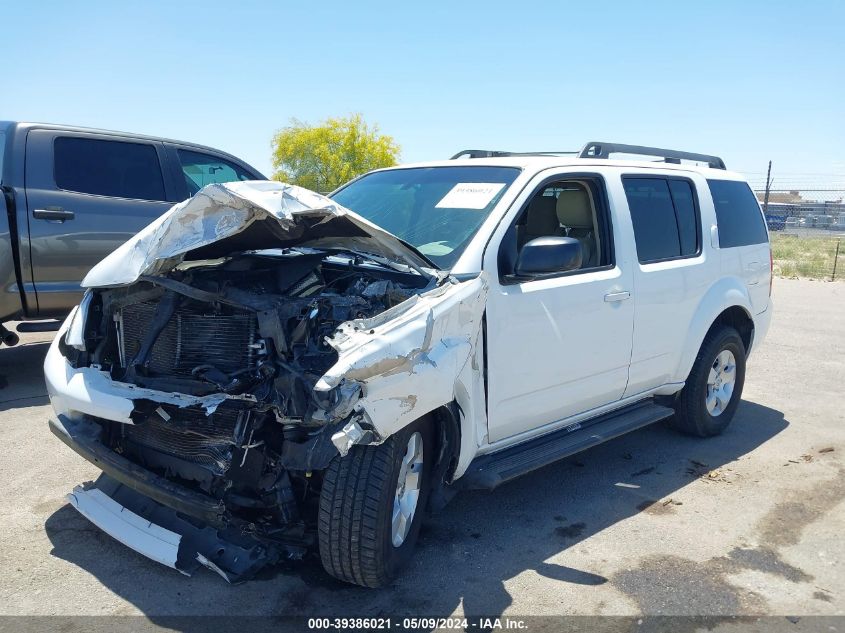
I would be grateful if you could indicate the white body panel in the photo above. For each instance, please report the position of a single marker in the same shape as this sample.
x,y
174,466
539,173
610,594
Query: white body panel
x,y
153,541
666,297
557,351
555,347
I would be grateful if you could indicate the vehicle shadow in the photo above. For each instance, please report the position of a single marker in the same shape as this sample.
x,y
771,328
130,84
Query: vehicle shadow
x,y
22,375
465,554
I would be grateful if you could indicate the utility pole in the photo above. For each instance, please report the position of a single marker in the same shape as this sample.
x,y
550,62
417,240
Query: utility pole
x,y
768,188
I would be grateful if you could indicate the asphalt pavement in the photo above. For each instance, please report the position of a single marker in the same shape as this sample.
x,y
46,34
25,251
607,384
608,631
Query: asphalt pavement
x,y
747,523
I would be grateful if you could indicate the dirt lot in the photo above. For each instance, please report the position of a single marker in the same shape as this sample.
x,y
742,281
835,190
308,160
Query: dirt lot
x,y
808,255
751,522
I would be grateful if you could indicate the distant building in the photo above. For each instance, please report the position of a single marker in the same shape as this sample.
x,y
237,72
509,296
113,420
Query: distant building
x,y
782,197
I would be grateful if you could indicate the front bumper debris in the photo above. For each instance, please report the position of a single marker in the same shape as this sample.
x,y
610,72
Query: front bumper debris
x,y
160,534
164,521
83,436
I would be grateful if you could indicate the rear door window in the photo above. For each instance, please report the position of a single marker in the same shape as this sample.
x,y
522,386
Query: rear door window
x,y
683,199
108,168
204,169
665,216
653,216
738,214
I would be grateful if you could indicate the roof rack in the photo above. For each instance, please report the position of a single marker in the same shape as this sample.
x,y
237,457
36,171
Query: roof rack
x,y
489,153
598,149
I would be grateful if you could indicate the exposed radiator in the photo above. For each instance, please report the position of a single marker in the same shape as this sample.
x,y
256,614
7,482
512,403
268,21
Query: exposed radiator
x,y
191,435
190,339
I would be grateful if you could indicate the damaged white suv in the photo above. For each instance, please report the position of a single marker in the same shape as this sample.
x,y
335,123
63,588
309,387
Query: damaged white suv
x,y
262,370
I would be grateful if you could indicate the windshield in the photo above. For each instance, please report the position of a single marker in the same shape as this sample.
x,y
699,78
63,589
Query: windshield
x,y
436,209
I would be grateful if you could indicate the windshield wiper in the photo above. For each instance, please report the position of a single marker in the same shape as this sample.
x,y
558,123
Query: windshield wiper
x,y
397,265
419,254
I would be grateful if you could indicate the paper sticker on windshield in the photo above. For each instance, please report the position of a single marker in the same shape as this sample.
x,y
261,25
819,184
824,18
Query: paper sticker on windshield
x,y
470,195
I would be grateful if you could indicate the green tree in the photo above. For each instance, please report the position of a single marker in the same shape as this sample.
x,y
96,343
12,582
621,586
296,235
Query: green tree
x,y
323,157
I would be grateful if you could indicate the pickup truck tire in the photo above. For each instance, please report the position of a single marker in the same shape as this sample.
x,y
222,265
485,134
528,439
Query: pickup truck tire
x,y
360,495
713,390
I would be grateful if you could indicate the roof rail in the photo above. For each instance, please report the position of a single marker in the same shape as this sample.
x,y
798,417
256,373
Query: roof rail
x,y
598,149
489,153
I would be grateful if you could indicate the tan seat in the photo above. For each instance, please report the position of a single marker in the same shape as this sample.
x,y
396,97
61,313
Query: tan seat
x,y
540,220
575,214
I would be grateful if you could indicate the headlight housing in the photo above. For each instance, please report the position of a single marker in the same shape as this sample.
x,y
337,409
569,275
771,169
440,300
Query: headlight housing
x,y
75,335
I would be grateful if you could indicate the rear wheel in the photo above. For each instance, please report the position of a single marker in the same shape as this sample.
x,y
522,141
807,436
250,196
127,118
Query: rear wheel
x,y
371,506
709,399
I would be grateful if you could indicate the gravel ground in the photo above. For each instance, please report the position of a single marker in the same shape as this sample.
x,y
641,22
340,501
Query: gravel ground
x,y
747,523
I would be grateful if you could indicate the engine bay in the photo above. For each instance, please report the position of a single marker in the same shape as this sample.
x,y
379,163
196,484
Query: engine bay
x,y
255,328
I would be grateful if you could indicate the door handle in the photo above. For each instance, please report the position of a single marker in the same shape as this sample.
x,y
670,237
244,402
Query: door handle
x,y
617,296
714,236
52,213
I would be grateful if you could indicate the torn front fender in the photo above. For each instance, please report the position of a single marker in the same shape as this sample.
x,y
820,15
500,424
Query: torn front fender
x,y
422,354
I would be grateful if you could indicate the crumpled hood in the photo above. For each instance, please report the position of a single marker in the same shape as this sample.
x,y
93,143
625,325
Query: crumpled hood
x,y
227,218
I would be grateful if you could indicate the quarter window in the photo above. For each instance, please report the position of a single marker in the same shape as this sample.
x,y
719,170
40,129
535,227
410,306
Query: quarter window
x,y
203,169
108,168
665,218
737,214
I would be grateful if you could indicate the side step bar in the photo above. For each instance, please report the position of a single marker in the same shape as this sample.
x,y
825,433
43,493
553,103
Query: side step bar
x,y
489,471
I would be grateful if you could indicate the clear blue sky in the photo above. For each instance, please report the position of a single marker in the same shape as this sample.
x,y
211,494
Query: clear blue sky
x,y
750,81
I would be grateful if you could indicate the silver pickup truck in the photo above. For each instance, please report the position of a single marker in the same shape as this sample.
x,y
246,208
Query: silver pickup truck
x,y
71,195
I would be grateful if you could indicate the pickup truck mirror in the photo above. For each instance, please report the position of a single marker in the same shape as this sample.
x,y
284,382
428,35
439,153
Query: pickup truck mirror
x,y
548,255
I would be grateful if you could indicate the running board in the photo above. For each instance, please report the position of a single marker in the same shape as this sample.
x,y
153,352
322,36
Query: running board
x,y
489,471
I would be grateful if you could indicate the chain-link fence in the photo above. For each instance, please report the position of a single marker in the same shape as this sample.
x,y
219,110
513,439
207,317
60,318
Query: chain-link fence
x,y
807,227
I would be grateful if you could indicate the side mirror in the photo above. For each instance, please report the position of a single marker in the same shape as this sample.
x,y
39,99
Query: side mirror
x,y
548,255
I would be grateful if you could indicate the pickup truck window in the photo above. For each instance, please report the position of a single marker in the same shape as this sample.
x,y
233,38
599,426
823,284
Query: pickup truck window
x,y
436,209
737,213
203,169
108,168
665,218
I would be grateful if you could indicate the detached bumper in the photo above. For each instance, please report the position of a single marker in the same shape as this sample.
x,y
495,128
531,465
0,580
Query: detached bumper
x,y
162,535
134,531
83,436
150,514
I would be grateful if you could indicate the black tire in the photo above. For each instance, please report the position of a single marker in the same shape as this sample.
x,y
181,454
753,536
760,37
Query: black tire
x,y
691,414
356,506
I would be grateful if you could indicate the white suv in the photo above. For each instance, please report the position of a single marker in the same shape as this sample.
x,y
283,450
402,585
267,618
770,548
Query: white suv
x,y
263,370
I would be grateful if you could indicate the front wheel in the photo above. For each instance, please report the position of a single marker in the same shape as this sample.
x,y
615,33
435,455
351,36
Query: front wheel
x,y
709,399
372,505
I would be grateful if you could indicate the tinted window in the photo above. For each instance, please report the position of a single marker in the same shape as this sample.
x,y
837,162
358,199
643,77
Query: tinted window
x,y
203,169
108,168
738,214
684,202
653,216
436,209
